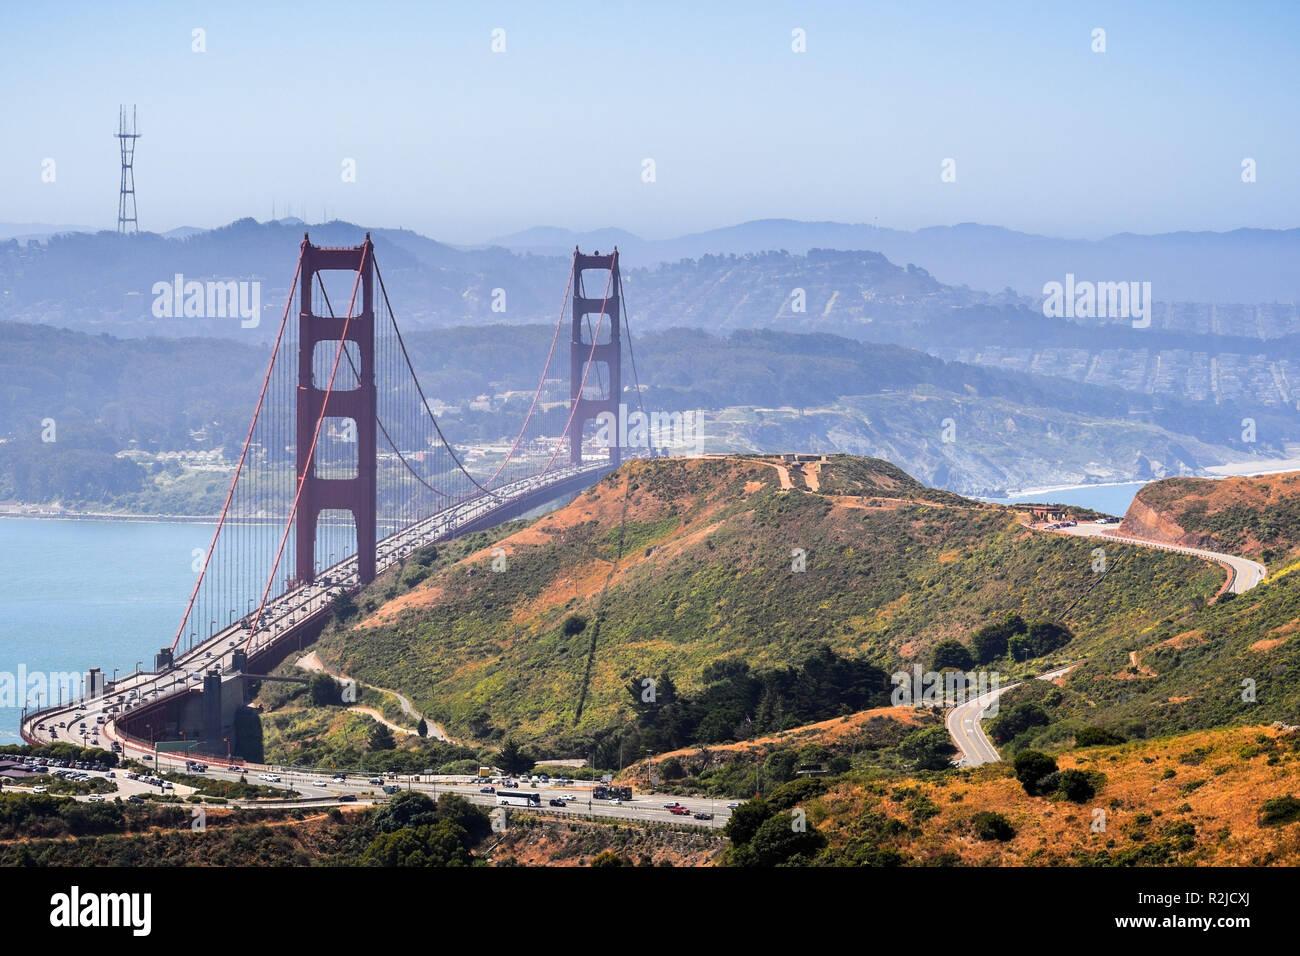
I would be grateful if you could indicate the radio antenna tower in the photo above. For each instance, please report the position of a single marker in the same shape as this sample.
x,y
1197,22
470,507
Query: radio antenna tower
x,y
126,137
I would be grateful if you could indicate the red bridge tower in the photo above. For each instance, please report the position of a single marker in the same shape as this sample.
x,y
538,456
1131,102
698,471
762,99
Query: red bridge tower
x,y
604,357
355,494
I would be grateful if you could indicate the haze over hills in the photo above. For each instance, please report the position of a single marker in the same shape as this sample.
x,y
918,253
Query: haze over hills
x,y
1243,354
962,427
1243,266
1250,266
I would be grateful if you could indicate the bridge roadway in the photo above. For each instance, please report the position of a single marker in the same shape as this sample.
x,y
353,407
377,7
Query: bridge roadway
x,y
283,621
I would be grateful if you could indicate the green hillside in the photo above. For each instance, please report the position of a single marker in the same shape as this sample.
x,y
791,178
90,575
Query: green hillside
x,y
706,584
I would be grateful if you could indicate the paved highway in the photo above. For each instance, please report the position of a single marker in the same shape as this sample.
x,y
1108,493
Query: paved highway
x,y
320,789
1246,573
967,733
964,721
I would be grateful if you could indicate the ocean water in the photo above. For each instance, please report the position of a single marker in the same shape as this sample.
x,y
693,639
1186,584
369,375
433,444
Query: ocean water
x,y
81,594
1108,499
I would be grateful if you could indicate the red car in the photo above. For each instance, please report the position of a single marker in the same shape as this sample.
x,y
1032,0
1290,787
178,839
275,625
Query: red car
x,y
679,811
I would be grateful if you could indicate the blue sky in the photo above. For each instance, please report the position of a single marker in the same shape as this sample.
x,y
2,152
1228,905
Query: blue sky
x,y
464,144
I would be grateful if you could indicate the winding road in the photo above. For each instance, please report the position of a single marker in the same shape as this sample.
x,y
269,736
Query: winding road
x,y
963,721
1246,573
968,734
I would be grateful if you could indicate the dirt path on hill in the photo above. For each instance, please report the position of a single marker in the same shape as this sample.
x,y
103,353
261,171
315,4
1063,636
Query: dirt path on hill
x,y
311,662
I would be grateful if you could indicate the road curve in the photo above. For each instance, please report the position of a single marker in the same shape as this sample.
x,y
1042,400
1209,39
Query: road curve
x,y
1245,573
963,721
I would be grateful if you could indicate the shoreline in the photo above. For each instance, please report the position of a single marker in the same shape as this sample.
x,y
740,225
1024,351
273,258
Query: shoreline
x,y
107,516
1055,488
1254,468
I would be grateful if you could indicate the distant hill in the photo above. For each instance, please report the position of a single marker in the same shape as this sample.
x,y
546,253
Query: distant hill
x,y
40,231
1244,355
957,426
1241,266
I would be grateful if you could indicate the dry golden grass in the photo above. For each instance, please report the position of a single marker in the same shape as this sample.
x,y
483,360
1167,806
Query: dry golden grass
x,y
1219,782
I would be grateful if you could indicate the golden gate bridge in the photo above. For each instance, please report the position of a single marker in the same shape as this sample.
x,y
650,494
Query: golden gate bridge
x,y
344,471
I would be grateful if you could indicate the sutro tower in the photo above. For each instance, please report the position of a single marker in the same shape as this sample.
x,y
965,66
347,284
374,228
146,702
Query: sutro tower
x,y
126,136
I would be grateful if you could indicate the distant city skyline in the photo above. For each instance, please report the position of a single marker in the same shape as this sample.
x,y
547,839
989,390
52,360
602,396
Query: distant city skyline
x,y
901,116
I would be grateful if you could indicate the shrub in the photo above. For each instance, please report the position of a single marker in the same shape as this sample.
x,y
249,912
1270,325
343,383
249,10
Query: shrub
x,y
928,749
1017,720
1076,786
1097,737
1280,810
993,826
951,653
1031,766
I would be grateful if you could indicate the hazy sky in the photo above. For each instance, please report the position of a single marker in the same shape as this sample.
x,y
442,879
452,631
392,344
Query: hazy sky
x,y
463,144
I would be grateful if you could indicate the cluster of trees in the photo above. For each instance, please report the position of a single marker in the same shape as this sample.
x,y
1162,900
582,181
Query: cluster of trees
x,y
412,830
738,702
512,758
774,830
996,640
1014,721
1039,775
80,465
28,816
